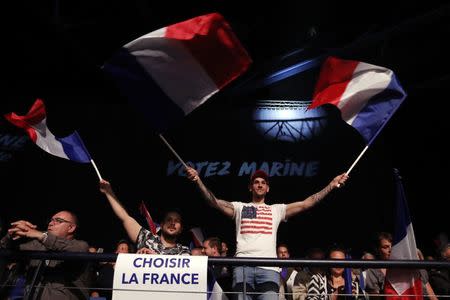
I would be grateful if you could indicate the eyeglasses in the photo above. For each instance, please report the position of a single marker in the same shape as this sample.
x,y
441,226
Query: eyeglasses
x,y
59,221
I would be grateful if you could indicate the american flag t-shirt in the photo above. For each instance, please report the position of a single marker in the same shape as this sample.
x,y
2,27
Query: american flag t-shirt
x,y
256,220
256,228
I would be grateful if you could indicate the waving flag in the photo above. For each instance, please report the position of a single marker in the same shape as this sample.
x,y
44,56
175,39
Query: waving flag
x,y
197,236
34,123
215,291
348,277
151,225
403,283
169,72
367,95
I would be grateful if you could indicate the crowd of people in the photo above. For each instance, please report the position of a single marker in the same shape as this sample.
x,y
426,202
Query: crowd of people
x,y
256,225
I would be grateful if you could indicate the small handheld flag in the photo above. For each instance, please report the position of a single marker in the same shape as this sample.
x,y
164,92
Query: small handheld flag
x,y
34,123
144,211
401,284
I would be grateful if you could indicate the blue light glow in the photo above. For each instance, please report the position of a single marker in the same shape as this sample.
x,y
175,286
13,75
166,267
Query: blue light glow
x,y
287,120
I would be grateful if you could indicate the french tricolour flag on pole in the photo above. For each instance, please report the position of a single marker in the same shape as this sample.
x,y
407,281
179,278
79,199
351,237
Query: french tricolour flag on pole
x,y
169,72
154,228
197,236
34,123
367,95
215,291
403,283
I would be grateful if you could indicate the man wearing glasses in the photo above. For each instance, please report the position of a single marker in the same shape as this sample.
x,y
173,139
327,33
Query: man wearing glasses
x,y
59,279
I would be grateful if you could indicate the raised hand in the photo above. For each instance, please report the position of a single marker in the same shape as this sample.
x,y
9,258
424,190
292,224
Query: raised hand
x,y
192,174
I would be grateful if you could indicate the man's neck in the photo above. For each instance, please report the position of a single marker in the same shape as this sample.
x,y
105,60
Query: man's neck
x,y
168,242
257,200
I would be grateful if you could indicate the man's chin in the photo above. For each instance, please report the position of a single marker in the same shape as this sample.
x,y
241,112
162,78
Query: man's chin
x,y
172,234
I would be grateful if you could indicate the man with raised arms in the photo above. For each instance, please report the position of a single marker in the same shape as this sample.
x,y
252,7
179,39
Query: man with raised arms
x,y
256,228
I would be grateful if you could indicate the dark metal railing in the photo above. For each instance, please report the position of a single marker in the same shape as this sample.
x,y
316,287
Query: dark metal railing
x,y
239,261
228,261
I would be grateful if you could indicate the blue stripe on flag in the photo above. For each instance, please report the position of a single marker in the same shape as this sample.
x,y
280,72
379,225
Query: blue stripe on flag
x,y
403,219
374,116
74,148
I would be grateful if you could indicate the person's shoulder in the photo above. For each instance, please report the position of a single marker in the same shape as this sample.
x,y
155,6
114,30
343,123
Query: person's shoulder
x,y
281,208
184,250
302,277
81,244
238,203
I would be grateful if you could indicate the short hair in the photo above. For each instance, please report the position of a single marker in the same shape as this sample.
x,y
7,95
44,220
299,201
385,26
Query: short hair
x,y
128,243
367,255
74,217
259,174
215,242
167,213
381,236
337,247
283,245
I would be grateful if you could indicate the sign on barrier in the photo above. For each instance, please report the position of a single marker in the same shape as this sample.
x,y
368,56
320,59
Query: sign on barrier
x,y
142,276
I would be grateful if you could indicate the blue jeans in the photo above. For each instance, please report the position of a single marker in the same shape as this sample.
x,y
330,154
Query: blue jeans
x,y
266,283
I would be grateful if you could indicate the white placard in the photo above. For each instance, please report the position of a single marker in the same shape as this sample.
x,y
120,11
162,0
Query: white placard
x,y
143,276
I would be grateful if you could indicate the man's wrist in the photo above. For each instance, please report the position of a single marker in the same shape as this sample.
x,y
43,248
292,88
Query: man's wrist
x,y
43,237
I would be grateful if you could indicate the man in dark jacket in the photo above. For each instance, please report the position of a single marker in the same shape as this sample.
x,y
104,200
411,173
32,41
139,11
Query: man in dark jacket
x,y
58,280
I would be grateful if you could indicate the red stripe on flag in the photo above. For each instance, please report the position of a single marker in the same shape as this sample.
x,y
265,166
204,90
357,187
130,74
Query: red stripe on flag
x,y
214,31
263,218
34,116
334,77
256,227
255,232
415,292
256,222
146,214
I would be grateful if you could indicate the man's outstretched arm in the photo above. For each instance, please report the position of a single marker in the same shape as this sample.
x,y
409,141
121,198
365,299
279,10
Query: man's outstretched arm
x,y
131,226
222,205
296,207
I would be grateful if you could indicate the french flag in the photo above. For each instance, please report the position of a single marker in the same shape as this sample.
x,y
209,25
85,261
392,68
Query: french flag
x,y
154,228
197,237
403,283
169,72
367,95
34,123
215,291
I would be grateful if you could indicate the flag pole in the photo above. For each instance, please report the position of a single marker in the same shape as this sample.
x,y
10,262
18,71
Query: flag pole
x,y
357,159
96,169
173,151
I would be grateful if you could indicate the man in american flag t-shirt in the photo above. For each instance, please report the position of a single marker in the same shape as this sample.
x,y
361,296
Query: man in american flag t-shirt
x,y
256,228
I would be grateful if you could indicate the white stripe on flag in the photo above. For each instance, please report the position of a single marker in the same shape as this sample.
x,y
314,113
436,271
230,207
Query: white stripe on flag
x,y
367,81
173,67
